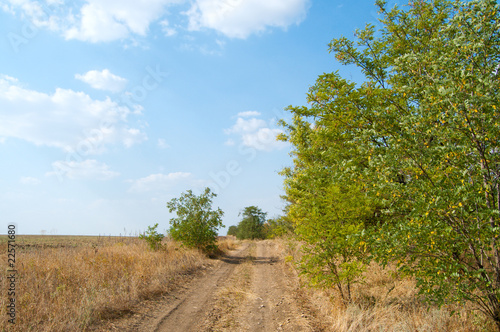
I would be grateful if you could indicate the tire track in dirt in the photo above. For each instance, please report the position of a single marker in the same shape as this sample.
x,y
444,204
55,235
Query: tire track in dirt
x,y
185,313
247,290
258,297
272,306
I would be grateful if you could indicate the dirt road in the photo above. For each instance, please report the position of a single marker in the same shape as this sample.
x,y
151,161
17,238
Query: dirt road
x,y
248,290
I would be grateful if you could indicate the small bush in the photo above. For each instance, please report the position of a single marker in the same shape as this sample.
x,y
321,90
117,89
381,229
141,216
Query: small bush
x,y
196,224
152,237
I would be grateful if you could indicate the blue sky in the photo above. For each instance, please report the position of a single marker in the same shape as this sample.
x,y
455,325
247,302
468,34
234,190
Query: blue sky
x,y
110,108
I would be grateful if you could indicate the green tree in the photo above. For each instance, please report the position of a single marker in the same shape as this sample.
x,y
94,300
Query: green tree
x,y
152,237
233,230
196,223
276,227
418,141
329,204
329,218
251,226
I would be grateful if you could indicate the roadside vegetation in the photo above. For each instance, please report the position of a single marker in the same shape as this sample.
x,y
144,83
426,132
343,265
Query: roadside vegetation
x,y
403,170
386,300
72,283
196,224
152,237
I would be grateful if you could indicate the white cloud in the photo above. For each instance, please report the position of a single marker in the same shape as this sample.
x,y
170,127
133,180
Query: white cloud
x,y
162,144
89,169
49,14
240,18
246,126
66,119
27,180
263,139
131,136
107,20
96,20
248,114
103,80
255,133
167,29
165,182
6,8
97,25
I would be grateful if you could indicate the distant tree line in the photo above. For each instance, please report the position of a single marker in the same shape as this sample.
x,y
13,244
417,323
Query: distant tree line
x,y
254,225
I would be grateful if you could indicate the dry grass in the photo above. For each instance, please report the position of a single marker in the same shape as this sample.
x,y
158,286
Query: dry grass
x,y
384,302
70,287
226,243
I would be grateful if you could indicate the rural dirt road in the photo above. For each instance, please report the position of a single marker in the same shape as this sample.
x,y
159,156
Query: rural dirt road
x,y
249,289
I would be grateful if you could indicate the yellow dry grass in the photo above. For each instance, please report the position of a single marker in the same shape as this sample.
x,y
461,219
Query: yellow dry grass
x,y
384,302
61,288
226,243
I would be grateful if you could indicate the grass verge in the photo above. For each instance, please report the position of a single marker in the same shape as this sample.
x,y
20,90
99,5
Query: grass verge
x,y
383,302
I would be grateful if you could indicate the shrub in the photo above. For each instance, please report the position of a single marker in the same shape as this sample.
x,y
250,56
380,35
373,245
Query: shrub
x,y
152,237
196,223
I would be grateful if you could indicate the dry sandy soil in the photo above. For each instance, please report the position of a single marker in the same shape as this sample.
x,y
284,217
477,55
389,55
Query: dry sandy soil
x,y
249,289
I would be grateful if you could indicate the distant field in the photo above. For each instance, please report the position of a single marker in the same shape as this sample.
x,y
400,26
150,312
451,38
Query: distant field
x,y
25,241
55,241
